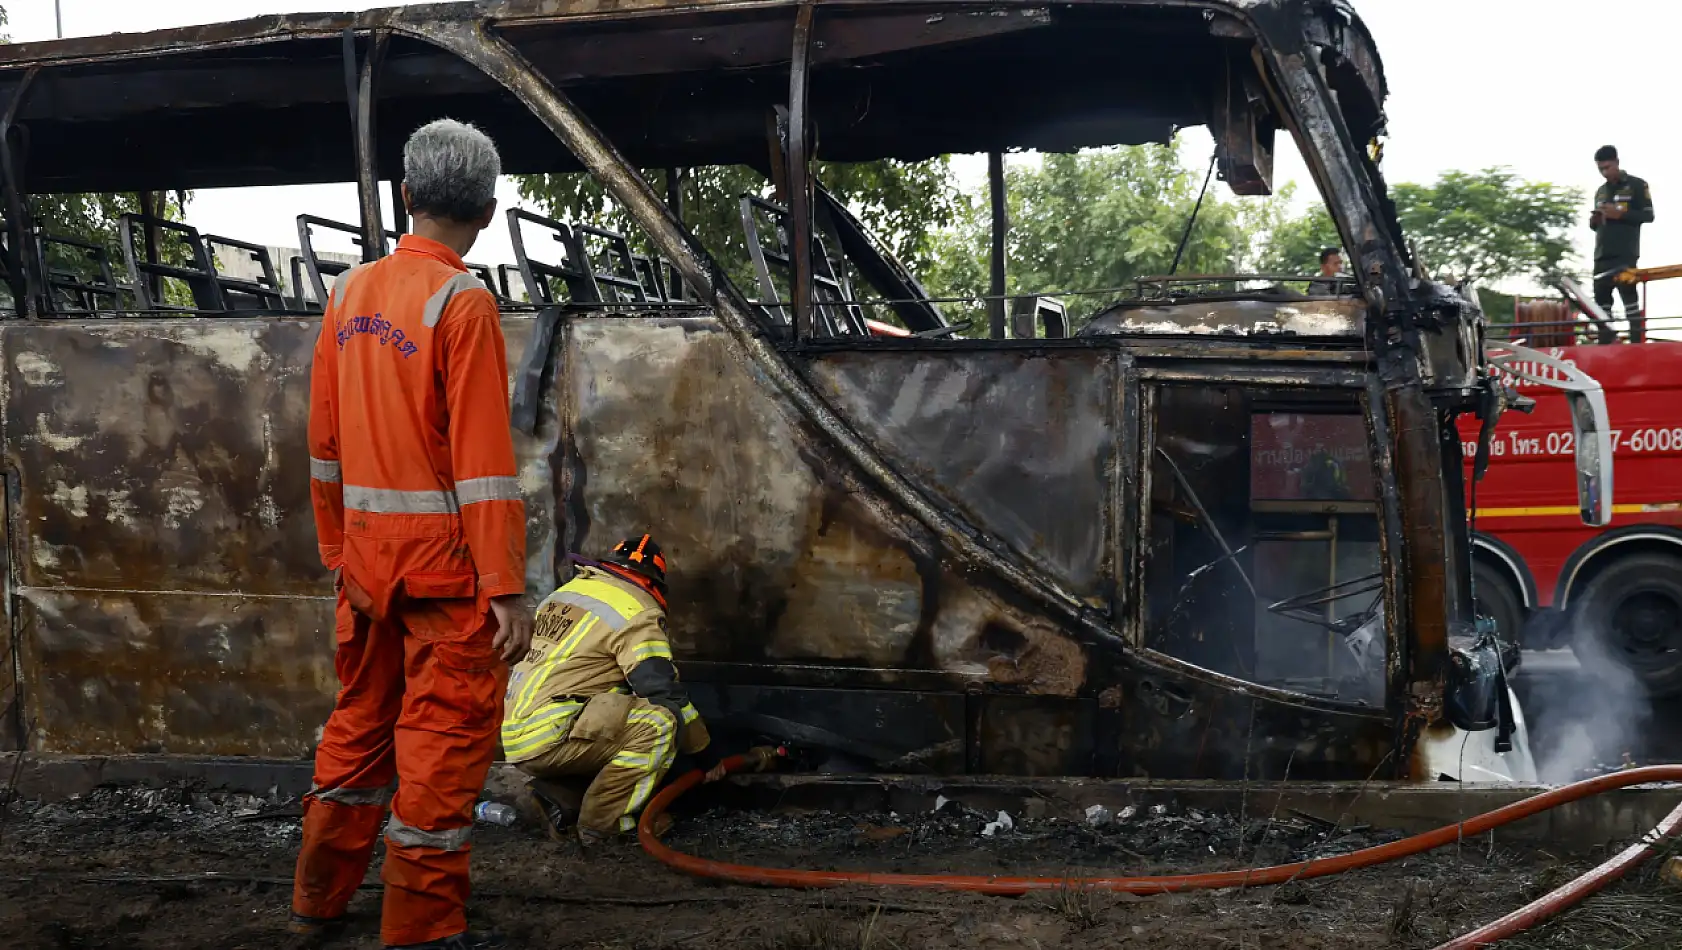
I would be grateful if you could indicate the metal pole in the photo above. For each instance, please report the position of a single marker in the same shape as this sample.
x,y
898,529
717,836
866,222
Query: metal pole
x,y
367,161
799,190
58,15
674,192
1001,225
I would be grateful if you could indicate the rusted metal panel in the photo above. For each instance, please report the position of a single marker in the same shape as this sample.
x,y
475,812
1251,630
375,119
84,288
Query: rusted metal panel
x,y
785,577
162,456
173,601
773,559
170,592
1022,444
668,433
536,456
175,671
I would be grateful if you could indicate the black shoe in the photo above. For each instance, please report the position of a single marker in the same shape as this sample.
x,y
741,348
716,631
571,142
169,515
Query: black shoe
x,y
463,941
312,932
552,817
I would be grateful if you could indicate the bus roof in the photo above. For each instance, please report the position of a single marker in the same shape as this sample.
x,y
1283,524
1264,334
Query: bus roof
x,y
264,101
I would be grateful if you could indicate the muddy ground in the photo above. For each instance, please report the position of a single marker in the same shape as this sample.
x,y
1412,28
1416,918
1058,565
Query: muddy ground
x,y
183,869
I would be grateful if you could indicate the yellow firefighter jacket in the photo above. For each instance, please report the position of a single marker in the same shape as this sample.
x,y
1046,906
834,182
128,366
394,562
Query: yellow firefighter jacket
x,y
597,633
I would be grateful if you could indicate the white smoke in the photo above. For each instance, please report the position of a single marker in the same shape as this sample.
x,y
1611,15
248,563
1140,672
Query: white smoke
x,y
1593,718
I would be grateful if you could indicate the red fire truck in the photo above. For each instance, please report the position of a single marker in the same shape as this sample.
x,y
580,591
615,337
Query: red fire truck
x,y
1613,593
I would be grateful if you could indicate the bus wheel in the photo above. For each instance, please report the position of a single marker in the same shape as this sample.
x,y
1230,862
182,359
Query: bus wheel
x,y
1496,599
1629,618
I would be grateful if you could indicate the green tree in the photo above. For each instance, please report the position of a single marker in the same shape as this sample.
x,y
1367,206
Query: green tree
x,y
901,203
1092,222
1489,226
1292,244
93,217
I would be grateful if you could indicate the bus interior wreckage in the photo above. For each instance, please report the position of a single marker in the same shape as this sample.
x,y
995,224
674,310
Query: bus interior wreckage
x,y
1210,528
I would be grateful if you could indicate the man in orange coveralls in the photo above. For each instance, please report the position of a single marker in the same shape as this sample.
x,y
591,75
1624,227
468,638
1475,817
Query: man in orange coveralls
x,y
420,518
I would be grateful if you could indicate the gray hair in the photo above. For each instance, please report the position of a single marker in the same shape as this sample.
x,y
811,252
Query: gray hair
x,y
451,170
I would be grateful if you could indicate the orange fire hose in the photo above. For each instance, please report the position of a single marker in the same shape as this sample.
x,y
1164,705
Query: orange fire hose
x,y
1248,877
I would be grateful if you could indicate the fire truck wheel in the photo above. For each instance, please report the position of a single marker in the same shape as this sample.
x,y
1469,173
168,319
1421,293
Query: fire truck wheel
x,y
1629,619
1497,599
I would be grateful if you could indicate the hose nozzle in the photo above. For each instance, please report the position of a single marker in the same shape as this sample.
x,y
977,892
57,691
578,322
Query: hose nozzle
x,y
760,757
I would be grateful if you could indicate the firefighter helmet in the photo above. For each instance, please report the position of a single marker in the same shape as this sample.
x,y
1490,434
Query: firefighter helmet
x,y
640,554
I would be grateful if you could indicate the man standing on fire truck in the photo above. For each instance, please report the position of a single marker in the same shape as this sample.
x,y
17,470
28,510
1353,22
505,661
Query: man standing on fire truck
x,y
420,518
1621,206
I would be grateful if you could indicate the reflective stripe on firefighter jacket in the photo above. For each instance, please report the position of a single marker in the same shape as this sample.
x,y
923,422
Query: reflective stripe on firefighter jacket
x,y
590,637
402,497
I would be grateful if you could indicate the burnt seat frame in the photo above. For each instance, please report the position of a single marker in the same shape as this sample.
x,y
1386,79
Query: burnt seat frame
x,y
84,295
145,275
263,293
838,314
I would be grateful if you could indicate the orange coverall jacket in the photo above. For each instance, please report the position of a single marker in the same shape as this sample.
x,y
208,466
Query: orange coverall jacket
x,y
434,507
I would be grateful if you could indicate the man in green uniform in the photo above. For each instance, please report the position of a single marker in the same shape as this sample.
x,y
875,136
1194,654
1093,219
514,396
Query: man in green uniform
x,y
1621,206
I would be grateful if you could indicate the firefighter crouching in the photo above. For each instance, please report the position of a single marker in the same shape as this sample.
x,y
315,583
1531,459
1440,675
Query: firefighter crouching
x,y
599,697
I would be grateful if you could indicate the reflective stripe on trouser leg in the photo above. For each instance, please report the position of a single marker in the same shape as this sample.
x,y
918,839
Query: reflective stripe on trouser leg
x,y
446,737
354,766
353,796
619,790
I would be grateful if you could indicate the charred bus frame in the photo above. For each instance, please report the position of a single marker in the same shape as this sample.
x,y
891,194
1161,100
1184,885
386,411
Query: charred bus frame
x,y
101,658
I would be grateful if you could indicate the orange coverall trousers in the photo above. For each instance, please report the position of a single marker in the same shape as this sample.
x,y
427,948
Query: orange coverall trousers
x,y
421,701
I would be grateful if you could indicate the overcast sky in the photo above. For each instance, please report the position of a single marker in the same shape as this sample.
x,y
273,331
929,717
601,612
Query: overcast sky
x,y
1536,85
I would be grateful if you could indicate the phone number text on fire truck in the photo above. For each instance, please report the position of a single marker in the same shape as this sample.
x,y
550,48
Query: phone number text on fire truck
x,y
1565,443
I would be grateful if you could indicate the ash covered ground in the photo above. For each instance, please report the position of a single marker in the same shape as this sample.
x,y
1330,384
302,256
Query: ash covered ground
x,y
184,869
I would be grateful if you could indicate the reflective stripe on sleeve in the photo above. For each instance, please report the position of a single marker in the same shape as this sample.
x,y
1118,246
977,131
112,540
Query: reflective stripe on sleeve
x,y
471,491
342,285
324,470
651,650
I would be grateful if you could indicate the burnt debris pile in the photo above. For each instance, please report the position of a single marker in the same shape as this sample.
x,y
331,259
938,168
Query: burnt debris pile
x,y
957,838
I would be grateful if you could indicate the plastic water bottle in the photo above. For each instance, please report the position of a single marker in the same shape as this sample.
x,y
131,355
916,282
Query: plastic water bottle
x,y
494,814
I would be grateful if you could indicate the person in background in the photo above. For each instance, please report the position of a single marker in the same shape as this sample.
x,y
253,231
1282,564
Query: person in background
x,y
420,518
1331,269
1622,205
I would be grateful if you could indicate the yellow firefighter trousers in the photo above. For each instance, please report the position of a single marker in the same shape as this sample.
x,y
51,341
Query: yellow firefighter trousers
x,y
626,767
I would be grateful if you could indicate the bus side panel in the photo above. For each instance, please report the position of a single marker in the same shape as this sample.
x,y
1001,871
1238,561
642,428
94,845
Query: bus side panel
x,y
1022,446
171,598
170,595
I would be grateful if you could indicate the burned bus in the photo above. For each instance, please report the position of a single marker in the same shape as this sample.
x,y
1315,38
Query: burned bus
x,y
1207,527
